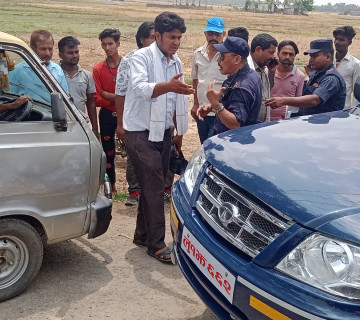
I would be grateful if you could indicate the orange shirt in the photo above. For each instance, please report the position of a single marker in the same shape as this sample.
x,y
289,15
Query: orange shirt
x,y
105,79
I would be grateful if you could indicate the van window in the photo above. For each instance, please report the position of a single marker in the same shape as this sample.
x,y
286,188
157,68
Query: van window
x,y
17,77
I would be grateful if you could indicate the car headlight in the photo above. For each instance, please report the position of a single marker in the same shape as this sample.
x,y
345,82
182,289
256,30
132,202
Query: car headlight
x,y
193,168
326,263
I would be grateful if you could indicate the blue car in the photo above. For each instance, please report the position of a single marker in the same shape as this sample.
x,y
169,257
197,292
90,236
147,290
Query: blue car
x,y
266,220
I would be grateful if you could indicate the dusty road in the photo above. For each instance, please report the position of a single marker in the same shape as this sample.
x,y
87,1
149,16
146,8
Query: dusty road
x,y
109,277
106,278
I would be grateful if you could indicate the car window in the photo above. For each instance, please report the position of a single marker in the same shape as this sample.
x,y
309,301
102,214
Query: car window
x,y
23,80
17,77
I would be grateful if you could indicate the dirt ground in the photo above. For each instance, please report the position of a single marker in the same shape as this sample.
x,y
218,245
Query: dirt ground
x,y
109,277
106,278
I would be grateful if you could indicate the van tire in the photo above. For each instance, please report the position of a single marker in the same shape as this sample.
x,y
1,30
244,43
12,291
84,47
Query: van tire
x,y
21,254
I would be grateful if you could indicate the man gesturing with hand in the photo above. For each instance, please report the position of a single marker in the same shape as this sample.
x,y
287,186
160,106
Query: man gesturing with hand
x,y
155,103
238,102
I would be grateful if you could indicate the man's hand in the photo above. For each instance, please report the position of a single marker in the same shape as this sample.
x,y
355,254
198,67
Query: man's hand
x,y
177,141
275,102
194,110
19,102
203,111
214,95
120,132
178,86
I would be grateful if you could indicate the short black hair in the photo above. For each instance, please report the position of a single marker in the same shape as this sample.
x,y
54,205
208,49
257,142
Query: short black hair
x,y
239,32
264,41
144,32
288,43
169,21
346,31
110,33
326,51
69,42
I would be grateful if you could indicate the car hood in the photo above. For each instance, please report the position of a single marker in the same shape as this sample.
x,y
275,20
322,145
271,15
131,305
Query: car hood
x,y
308,168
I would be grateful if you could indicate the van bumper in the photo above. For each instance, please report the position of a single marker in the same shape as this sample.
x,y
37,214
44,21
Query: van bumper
x,y
100,216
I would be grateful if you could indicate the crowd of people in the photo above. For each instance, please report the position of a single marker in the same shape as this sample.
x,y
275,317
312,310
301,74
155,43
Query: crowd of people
x,y
143,96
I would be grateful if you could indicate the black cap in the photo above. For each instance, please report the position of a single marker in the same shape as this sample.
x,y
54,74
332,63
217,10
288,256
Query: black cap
x,y
319,45
233,44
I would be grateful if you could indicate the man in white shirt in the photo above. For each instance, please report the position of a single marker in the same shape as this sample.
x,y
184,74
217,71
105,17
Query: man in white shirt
x,y
204,70
347,65
144,37
153,101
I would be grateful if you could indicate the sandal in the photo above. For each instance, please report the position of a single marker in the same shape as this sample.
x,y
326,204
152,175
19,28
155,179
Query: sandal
x,y
140,243
162,256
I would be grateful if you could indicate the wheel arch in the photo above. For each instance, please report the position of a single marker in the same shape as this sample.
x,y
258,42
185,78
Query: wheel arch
x,y
35,223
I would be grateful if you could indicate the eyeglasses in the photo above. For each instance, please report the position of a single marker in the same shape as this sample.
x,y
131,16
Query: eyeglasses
x,y
213,33
222,56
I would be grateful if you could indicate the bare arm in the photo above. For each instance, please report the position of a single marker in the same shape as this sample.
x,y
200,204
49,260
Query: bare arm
x,y
109,96
196,101
119,103
91,110
14,105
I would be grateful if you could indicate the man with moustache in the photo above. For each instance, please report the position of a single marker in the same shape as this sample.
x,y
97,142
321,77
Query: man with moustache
x,y
80,81
346,64
325,91
204,70
24,80
263,48
288,79
104,74
155,103
238,102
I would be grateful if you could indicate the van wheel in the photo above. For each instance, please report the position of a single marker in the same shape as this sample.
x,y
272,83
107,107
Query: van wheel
x,y
21,254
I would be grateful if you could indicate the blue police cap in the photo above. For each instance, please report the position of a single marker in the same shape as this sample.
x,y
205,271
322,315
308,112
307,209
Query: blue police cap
x,y
234,44
319,45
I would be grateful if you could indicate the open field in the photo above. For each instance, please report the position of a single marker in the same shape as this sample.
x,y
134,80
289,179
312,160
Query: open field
x,y
85,19
108,277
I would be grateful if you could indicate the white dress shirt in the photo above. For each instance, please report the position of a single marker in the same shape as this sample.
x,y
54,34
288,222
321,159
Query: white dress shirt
x,y
349,68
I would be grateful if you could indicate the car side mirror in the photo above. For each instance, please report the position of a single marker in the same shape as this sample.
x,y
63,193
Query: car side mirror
x,y
357,89
58,112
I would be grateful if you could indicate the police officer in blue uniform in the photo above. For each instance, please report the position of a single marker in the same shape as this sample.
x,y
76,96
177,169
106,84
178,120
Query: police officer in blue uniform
x,y
325,91
238,102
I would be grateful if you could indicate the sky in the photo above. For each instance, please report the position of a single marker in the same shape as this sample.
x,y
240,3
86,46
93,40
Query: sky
x,y
322,2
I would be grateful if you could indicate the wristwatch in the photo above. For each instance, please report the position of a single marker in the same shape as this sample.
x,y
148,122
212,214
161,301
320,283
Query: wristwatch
x,y
216,111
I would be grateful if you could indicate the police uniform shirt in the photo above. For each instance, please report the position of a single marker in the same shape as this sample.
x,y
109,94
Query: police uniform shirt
x,y
329,85
242,98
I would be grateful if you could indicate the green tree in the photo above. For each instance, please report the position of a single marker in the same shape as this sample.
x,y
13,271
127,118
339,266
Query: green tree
x,y
304,5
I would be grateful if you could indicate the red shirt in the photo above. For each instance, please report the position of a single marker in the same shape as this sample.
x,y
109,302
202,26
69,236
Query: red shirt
x,y
105,79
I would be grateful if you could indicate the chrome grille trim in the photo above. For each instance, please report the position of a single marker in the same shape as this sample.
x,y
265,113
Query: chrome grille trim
x,y
251,229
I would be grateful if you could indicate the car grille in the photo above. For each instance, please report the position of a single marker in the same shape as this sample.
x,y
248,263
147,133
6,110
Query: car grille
x,y
234,216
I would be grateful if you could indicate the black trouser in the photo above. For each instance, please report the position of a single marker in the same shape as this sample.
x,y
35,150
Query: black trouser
x,y
151,162
108,124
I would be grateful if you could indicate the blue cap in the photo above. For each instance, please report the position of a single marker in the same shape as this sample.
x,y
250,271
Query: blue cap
x,y
234,44
320,45
215,24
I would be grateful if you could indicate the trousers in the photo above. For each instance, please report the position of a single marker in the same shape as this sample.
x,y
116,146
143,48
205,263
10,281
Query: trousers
x,y
108,124
151,163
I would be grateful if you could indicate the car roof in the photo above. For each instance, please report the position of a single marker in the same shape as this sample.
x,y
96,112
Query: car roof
x,y
8,38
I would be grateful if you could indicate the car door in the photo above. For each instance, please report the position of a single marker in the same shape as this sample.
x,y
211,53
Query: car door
x,y
44,173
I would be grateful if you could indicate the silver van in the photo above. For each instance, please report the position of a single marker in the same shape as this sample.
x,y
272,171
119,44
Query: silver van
x,y
52,169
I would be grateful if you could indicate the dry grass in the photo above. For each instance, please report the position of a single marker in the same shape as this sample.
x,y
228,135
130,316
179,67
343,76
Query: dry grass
x,y
85,19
